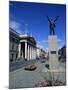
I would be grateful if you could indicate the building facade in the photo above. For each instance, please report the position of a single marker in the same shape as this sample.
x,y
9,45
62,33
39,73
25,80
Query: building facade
x,y
13,45
22,47
40,53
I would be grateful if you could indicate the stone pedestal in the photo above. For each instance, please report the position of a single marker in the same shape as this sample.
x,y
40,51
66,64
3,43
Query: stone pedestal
x,y
55,71
53,56
53,52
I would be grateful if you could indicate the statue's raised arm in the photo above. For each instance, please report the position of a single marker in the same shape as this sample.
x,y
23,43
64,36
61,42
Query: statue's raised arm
x,y
52,24
56,19
48,19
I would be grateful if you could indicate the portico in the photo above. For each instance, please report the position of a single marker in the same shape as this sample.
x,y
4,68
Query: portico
x,y
27,47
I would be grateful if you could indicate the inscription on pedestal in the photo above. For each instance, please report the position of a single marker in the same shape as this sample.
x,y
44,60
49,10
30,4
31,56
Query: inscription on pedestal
x,y
53,52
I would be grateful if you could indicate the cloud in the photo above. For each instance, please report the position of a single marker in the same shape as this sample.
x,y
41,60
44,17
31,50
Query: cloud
x,y
41,46
43,41
46,41
15,25
59,40
12,16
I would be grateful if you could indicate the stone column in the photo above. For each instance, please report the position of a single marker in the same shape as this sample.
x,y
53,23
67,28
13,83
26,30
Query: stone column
x,y
22,54
35,53
25,50
32,52
28,52
19,50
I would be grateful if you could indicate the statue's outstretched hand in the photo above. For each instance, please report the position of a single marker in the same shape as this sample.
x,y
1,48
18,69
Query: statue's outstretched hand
x,y
56,19
48,18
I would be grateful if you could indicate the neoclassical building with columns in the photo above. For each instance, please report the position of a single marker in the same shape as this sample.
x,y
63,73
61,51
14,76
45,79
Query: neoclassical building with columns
x,y
22,46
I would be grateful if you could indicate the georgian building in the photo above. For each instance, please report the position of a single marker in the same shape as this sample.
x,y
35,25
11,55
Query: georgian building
x,y
22,47
41,53
13,45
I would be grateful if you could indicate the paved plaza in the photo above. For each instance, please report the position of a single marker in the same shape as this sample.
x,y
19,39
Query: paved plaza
x,y
21,78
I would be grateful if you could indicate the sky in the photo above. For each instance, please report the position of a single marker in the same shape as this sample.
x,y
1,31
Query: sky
x,y
32,18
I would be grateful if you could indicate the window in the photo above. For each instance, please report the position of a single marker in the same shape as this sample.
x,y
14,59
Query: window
x,y
12,55
16,46
12,46
16,55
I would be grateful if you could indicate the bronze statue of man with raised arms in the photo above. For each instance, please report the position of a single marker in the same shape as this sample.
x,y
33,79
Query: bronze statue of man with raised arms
x,y
52,25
